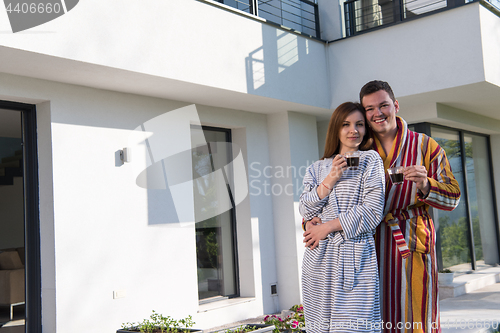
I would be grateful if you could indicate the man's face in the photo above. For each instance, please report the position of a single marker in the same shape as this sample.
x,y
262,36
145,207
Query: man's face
x,y
381,112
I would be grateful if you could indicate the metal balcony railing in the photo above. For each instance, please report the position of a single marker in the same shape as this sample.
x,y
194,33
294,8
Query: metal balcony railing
x,y
299,15
361,15
494,3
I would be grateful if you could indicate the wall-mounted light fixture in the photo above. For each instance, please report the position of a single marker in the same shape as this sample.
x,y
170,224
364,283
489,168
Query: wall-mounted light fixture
x,y
125,155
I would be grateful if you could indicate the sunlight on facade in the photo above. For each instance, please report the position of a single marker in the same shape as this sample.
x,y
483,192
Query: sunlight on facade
x,y
288,53
259,77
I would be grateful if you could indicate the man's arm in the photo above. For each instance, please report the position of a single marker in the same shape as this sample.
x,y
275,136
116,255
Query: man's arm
x,y
444,191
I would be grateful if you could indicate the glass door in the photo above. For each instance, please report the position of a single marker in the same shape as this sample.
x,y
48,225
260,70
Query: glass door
x,y
481,203
12,246
452,228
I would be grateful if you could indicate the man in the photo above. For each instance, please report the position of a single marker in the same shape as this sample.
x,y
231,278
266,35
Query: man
x,y
405,240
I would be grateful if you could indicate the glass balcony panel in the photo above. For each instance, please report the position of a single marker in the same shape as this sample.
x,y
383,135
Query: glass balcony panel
x,y
243,5
294,14
418,7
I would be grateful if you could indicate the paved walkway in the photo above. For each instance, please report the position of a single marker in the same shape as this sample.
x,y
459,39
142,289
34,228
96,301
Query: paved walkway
x,y
477,311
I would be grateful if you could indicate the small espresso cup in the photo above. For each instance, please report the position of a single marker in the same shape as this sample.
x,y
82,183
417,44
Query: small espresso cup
x,y
396,175
352,159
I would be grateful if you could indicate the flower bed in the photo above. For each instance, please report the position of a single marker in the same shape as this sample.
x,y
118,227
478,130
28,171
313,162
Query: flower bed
x,y
289,321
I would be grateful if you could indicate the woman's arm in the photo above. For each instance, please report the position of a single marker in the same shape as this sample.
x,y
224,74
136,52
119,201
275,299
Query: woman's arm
x,y
316,192
316,231
339,165
310,204
367,215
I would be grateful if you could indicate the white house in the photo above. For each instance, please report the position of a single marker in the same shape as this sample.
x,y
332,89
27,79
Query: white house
x,y
183,227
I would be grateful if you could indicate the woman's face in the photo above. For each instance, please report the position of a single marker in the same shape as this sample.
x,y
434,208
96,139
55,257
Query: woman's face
x,y
352,131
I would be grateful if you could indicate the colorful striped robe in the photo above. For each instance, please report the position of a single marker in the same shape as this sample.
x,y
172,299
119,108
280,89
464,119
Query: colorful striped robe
x,y
409,287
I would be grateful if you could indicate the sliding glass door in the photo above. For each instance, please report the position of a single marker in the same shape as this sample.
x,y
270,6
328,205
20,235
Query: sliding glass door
x,y
467,237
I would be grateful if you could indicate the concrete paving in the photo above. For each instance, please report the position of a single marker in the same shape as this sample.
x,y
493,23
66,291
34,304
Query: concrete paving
x,y
475,312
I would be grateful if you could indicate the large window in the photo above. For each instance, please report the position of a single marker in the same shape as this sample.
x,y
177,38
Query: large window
x,y
361,15
467,237
452,228
20,292
215,234
480,193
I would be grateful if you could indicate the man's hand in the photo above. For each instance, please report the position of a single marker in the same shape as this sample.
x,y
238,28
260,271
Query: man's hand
x,y
418,175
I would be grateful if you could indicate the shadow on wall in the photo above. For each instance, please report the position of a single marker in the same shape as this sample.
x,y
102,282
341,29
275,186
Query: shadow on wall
x,y
186,176
276,68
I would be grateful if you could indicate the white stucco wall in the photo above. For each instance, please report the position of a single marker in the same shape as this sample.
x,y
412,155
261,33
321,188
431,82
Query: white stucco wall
x,y
102,233
490,36
292,148
415,57
304,152
185,40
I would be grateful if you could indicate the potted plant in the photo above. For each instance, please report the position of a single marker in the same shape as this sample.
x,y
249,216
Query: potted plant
x,y
445,277
157,323
289,321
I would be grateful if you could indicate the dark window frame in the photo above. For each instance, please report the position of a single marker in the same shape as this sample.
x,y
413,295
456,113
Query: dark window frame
x,y
33,294
228,135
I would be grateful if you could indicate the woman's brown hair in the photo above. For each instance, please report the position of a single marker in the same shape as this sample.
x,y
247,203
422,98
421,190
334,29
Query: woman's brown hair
x,y
332,144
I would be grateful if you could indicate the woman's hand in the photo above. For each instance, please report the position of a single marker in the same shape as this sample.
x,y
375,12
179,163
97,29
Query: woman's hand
x,y
339,165
312,222
418,175
316,231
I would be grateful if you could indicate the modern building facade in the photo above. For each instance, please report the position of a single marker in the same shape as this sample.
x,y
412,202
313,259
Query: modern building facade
x,y
183,227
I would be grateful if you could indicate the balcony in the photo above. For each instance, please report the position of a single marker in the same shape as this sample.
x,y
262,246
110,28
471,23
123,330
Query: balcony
x,y
362,15
299,15
494,3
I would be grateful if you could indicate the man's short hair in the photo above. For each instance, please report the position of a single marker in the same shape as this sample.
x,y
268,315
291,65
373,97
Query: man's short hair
x,y
374,86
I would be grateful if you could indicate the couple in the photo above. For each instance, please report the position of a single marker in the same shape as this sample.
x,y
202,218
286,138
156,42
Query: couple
x,y
343,208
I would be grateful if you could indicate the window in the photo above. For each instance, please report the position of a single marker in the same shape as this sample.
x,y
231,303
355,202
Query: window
x,y
452,228
467,236
480,195
214,207
23,231
360,15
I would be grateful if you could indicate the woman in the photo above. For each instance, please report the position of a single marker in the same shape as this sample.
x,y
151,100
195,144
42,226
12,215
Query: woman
x,y
341,208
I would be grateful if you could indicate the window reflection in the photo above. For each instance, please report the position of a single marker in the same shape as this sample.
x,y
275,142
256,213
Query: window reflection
x,y
215,241
481,200
452,227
